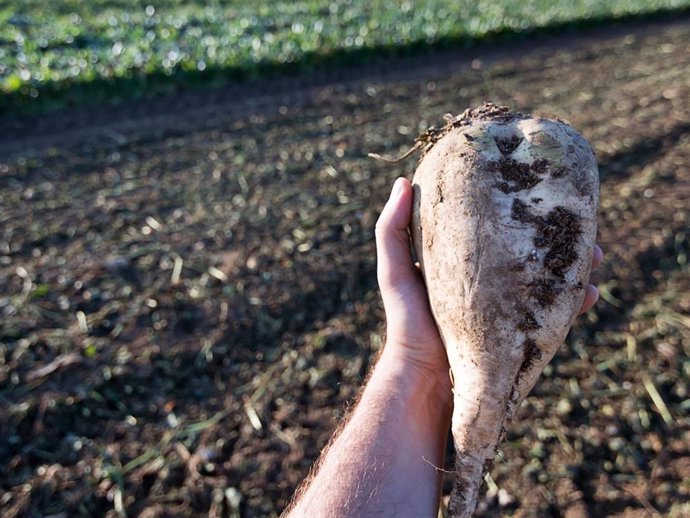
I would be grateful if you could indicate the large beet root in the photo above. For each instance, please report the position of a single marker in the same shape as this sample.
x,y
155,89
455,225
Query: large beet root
x,y
504,225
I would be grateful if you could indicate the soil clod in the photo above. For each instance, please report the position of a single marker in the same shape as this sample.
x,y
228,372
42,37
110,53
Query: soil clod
x,y
540,165
517,176
507,145
531,354
520,212
558,231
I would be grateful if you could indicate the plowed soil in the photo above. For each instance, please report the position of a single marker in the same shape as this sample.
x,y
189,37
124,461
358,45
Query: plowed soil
x,y
189,301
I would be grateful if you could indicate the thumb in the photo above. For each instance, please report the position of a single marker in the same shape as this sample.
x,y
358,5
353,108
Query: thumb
x,y
395,269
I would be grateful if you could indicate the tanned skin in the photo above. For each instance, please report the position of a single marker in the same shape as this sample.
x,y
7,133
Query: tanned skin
x,y
385,460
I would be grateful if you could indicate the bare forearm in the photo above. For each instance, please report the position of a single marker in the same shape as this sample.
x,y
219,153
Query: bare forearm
x,y
382,463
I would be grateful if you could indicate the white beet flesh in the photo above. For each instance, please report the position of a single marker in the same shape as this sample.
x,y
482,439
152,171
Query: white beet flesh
x,y
504,226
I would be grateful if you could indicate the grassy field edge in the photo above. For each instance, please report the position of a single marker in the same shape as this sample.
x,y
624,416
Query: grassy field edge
x,y
51,95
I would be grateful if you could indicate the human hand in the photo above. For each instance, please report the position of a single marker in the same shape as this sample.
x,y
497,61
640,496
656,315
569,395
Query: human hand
x,y
592,293
411,332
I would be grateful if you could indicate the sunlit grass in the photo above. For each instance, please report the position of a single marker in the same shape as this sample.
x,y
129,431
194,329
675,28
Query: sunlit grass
x,y
48,47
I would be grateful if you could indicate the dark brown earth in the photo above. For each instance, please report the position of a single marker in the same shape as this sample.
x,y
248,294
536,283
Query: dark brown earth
x,y
558,231
517,175
507,146
532,354
189,302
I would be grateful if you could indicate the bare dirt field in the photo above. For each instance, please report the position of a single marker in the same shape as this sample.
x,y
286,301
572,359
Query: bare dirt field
x,y
188,297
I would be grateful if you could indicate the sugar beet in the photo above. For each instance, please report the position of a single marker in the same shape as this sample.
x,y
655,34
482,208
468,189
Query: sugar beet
x,y
504,225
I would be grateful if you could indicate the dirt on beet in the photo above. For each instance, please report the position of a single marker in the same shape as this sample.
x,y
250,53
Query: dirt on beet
x,y
189,302
517,176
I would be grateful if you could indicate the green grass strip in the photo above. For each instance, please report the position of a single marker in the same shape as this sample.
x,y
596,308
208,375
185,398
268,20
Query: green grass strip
x,y
70,51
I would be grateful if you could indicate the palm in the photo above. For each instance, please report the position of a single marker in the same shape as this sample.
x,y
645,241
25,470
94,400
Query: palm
x,y
412,326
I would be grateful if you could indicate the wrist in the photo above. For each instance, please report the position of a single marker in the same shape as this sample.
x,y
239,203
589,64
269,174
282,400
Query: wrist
x,y
426,390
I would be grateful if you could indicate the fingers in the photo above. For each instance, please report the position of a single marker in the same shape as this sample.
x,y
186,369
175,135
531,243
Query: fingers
x,y
592,293
392,239
597,257
591,296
